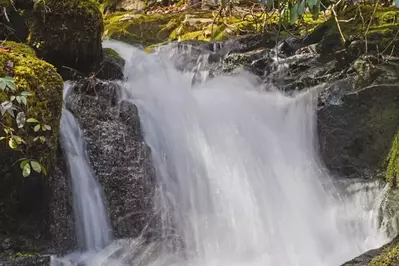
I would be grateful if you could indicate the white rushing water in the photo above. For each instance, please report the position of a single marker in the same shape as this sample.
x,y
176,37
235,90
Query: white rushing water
x,y
91,218
240,180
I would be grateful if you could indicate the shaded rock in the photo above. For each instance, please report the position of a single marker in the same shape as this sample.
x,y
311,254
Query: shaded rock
x,y
112,65
118,154
68,33
12,24
28,260
24,200
356,130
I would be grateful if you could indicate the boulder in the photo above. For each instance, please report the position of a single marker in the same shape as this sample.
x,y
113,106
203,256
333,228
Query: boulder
x,y
68,34
118,155
112,65
28,140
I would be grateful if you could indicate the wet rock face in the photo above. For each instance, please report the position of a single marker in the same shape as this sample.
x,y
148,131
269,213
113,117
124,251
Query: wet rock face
x,y
356,133
359,105
118,155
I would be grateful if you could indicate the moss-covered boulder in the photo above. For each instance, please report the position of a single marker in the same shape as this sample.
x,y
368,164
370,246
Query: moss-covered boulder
x,y
23,200
68,33
112,65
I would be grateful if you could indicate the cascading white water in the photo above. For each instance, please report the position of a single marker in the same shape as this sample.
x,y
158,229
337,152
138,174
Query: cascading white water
x,y
91,218
239,175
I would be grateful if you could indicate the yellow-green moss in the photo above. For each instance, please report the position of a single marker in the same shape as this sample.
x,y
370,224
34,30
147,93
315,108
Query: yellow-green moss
x,y
67,33
389,257
41,79
392,172
20,48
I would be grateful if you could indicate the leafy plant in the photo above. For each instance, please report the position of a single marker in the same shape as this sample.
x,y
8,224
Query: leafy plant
x,y
13,111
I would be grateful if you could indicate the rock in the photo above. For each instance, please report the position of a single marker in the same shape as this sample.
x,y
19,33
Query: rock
x,y
24,201
112,65
356,130
27,260
12,24
118,154
68,34
386,255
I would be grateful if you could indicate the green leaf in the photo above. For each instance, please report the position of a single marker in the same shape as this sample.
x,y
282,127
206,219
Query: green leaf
x,y
44,171
311,3
48,127
301,8
1,138
32,120
12,143
26,170
270,4
23,163
294,13
26,93
23,100
36,128
3,84
18,139
42,139
316,10
19,99
12,98
43,128
36,166
21,119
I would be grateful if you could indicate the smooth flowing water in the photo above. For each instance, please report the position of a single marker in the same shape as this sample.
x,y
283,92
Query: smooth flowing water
x,y
239,175
93,230
239,178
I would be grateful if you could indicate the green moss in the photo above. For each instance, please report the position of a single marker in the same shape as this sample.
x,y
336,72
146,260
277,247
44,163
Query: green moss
x,y
67,33
41,79
108,52
20,48
392,172
389,256
195,25
140,29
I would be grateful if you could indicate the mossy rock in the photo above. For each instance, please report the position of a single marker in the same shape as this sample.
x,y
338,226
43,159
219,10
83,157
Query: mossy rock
x,y
41,79
68,33
22,200
389,255
112,66
392,173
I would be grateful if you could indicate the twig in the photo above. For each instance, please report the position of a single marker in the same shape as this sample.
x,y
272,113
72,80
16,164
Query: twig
x,y
337,21
371,20
390,43
213,22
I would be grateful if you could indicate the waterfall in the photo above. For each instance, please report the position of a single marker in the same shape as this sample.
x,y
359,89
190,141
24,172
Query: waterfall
x,y
239,175
93,230
239,178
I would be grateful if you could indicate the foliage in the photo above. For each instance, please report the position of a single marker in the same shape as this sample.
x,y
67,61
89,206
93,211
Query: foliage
x,y
17,105
31,102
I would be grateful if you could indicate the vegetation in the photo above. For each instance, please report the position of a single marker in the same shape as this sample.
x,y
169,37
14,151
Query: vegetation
x,y
30,91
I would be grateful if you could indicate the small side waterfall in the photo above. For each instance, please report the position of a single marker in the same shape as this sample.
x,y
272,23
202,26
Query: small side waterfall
x,y
93,230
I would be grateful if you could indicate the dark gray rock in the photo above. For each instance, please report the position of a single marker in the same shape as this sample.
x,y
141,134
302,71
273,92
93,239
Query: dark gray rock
x,y
112,66
28,260
118,154
356,130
